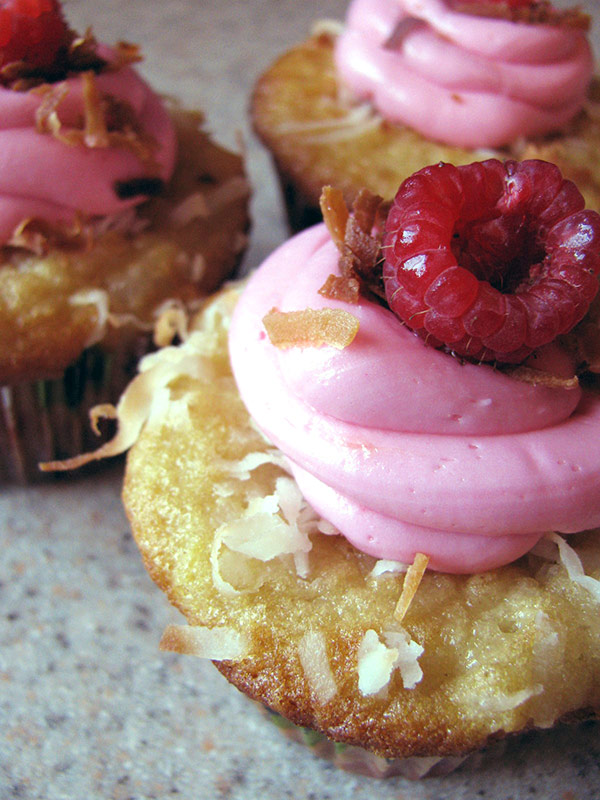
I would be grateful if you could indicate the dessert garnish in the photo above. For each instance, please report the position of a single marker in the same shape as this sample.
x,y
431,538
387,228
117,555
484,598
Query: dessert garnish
x,y
311,327
531,11
491,260
412,580
358,239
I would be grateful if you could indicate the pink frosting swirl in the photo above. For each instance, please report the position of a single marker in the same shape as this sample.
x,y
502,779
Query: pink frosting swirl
x,y
400,446
43,177
462,79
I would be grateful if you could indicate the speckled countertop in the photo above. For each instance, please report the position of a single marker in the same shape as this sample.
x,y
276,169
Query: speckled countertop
x,y
89,708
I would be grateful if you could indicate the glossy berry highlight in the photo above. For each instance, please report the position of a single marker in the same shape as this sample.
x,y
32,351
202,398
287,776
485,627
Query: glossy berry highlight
x,y
491,259
31,31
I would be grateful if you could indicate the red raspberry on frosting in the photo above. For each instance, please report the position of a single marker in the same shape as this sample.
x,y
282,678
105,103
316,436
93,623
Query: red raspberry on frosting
x,y
491,260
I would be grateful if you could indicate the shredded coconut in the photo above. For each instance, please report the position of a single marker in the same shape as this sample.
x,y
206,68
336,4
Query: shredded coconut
x,y
312,650
408,654
385,566
201,205
572,563
414,576
242,469
198,268
329,27
360,119
501,702
262,532
218,644
99,299
376,661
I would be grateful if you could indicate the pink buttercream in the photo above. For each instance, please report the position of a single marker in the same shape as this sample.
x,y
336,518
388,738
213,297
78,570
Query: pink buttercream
x,y
41,176
400,446
459,78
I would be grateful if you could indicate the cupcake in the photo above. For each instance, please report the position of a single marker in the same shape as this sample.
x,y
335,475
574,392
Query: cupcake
x,y
403,84
114,206
389,537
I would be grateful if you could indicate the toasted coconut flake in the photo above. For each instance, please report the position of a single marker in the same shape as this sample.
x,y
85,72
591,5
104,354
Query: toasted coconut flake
x,y
124,130
572,563
95,131
312,650
414,576
37,235
335,214
359,245
341,287
332,327
218,644
126,53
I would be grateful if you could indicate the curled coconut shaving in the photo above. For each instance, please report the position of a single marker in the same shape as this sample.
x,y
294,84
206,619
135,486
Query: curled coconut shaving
x,y
311,328
218,644
272,526
312,650
377,660
568,557
412,580
123,131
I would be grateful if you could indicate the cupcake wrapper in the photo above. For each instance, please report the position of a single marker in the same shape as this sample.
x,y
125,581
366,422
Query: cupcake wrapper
x,y
360,761
48,420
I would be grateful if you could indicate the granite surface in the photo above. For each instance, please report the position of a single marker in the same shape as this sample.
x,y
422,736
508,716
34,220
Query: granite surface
x,y
89,708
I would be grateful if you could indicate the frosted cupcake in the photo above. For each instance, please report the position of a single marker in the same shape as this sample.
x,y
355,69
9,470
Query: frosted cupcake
x,y
404,84
392,545
113,207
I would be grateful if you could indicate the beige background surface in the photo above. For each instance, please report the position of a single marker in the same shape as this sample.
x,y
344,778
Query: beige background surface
x,y
89,708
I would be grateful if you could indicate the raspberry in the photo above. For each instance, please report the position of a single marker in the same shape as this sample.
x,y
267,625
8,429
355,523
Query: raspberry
x,y
491,259
31,31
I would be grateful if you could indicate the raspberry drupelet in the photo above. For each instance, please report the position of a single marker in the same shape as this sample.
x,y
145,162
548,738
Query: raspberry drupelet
x,y
491,259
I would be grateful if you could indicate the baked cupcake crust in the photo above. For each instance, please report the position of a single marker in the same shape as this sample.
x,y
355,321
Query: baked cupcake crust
x,y
503,651
318,136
